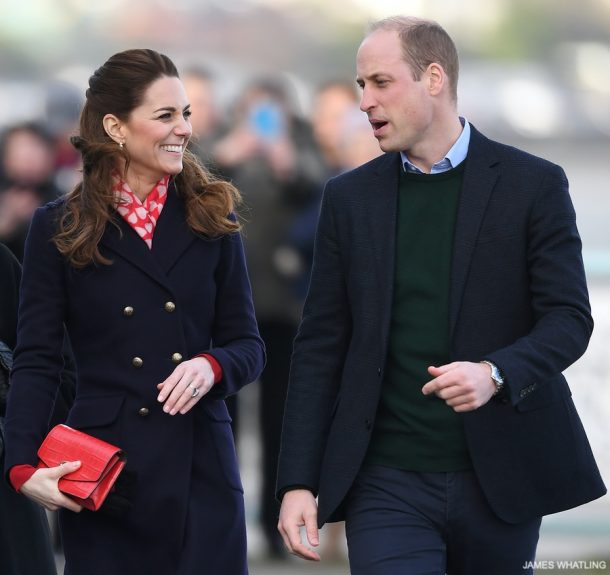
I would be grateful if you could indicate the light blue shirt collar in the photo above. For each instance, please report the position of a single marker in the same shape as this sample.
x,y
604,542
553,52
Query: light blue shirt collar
x,y
454,157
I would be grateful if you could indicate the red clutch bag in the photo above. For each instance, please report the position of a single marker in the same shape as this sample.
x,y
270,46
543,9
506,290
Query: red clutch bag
x,y
101,464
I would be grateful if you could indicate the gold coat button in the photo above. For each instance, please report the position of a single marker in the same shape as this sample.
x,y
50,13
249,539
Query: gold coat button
x,y
128,311
137,362
169,306
177,357
143,411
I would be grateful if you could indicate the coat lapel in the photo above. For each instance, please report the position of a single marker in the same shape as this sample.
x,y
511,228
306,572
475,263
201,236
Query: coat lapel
x,y
123,241
480,175
171,237
172,234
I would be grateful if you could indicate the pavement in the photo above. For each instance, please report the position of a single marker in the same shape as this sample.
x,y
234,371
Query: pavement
x,y
286,568
264,567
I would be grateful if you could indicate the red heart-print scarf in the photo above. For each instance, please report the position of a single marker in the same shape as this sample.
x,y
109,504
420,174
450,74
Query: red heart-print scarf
x,y
141,216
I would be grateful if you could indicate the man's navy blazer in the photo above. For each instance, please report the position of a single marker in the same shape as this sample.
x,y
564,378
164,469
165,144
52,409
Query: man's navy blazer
x,y
518,297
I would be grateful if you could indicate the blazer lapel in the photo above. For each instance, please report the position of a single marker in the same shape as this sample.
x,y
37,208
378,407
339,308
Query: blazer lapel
x,y
480,176
381,218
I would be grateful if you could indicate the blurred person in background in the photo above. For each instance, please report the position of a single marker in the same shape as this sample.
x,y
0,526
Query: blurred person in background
x,y
27,180
29,159
63,104
143,264
269,153
199,85
357,145
426,404
344,137
331,103
25,544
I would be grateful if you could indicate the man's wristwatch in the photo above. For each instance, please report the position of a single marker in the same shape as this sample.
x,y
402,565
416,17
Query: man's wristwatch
x,y
496,376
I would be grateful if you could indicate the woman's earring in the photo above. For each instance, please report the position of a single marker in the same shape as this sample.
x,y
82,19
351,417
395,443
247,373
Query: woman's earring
x,y
121,145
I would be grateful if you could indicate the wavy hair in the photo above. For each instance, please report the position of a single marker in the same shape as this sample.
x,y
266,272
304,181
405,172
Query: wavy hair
x,y
117,88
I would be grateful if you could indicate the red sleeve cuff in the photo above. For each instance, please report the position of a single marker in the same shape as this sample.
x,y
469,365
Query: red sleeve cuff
x,y
19,474
215,366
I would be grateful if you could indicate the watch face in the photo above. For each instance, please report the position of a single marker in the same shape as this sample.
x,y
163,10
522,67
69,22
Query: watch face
x,y
496,375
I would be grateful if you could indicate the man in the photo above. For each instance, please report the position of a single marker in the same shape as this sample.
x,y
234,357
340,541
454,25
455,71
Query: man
x,y
426,403
199,85
332,103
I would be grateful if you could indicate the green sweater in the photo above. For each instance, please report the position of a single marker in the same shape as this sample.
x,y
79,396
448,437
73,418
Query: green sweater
x,y
413,431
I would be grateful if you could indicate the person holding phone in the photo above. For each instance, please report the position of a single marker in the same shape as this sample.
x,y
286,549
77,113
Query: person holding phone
x,y
270,154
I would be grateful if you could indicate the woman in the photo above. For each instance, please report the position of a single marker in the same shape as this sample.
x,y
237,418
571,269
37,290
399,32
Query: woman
x,y
144,265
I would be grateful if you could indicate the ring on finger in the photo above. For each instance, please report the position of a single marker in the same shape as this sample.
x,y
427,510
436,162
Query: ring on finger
x,y
195,391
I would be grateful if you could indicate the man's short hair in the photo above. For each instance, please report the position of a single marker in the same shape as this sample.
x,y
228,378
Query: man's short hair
x,y
423,42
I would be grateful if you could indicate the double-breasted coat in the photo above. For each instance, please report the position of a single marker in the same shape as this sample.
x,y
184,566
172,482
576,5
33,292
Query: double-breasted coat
x,y
518,297
130,323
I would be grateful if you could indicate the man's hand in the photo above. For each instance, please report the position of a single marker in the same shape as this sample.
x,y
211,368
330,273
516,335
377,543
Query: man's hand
x,y
299,508
463,385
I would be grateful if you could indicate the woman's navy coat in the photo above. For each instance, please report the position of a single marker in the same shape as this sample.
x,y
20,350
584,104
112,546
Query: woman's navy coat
x,y
129,324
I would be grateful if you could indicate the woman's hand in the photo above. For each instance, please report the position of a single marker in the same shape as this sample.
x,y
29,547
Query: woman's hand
x,y
42,487
187,384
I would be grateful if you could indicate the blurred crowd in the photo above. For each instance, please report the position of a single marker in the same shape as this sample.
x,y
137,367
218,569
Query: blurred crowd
x,y
278,155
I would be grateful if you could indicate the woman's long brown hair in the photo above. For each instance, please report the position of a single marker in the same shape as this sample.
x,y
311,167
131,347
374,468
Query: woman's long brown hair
x,y
117,88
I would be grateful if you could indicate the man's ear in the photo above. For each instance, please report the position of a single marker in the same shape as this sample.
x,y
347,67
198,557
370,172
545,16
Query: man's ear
x,y
436,78
114,128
